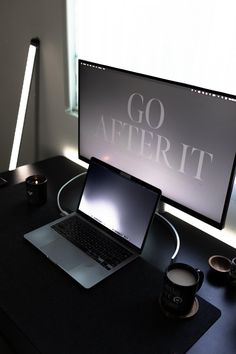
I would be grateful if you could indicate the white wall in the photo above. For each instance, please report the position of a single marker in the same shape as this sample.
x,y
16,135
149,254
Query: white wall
x,y
19,22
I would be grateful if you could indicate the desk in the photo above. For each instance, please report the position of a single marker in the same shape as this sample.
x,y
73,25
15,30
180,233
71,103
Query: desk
x,y
19,323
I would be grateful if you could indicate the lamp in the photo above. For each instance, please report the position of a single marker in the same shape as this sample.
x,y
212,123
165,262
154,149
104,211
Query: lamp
x,y
34,45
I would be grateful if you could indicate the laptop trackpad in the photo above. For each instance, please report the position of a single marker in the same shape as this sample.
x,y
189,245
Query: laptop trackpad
x,y
66,255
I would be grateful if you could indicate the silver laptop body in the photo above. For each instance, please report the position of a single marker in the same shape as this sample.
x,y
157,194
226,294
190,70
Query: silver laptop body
x,y
113,203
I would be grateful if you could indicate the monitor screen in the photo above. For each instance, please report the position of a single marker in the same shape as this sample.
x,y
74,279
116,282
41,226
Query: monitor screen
x,y
177,137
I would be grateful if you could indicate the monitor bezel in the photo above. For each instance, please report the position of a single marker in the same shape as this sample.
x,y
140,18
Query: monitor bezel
x,y
217,224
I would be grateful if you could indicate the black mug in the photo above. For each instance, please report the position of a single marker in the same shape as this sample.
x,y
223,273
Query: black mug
x,y
180,285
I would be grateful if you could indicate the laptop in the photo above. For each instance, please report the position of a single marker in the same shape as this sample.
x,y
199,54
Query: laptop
x,y
108,229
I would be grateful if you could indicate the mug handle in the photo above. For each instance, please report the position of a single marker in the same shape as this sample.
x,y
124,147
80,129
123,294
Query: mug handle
x,y
201,278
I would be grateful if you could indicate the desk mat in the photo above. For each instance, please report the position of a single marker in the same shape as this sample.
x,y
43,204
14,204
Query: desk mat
x,y
119,315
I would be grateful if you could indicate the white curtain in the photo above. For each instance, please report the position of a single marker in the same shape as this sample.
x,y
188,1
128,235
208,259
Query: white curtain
x,y
192,41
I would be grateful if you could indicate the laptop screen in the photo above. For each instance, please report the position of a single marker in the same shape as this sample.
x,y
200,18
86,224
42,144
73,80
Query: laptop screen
x,y
121,203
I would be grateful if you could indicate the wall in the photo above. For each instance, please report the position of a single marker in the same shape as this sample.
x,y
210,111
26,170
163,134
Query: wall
x,y
52,127
19,22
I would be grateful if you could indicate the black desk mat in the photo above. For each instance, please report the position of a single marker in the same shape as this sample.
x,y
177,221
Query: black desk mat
x,y
119,315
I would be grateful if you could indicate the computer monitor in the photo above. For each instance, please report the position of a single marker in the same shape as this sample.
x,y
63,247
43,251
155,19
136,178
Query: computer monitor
x,y
175,136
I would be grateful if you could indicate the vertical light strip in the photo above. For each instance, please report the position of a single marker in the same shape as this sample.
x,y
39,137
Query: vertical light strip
x,y
22,106
71,56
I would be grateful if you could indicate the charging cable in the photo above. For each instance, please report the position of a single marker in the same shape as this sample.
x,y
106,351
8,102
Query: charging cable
x,y
64,212
176,236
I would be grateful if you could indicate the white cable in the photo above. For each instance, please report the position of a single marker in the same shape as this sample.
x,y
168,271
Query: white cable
x,y
64,212
176,236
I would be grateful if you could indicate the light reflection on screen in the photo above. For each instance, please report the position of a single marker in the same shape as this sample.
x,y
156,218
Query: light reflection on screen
x,y
118,202
102,211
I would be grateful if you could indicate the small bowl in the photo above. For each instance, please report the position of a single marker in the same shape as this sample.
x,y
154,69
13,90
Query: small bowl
x,y
220,264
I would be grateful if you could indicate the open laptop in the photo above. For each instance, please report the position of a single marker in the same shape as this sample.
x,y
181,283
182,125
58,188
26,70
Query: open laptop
x,y
114,214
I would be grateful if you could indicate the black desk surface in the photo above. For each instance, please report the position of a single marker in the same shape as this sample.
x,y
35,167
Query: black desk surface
x,y
18,324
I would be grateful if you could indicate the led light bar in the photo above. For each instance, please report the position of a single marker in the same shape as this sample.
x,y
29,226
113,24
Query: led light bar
x,y
34,44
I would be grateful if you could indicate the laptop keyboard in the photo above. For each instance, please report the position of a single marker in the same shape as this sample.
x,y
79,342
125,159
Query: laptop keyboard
x,y
99,247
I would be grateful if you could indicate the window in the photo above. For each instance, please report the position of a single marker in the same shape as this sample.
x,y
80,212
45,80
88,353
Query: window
x,y
186,41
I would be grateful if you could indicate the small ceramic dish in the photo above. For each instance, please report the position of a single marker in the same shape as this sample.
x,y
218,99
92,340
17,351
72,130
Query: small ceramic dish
x,y
220,264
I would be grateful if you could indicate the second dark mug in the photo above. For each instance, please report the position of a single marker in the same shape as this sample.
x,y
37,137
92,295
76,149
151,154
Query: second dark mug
x,y
180,285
